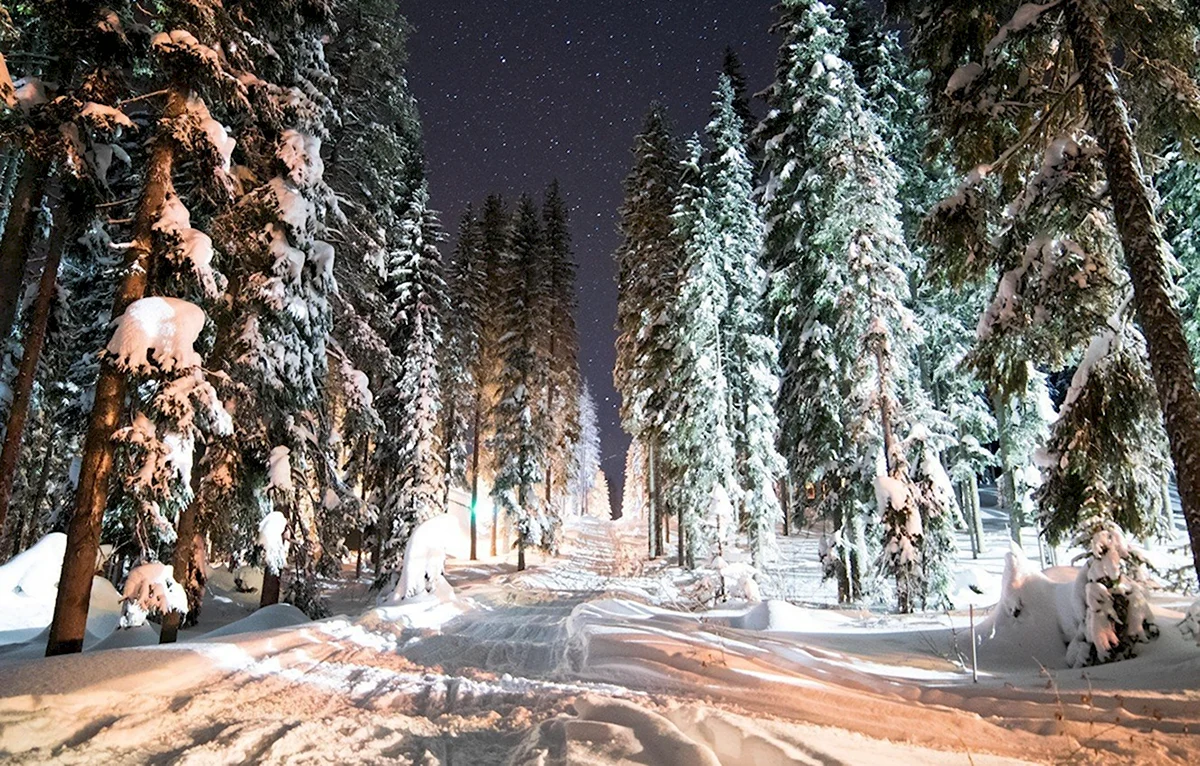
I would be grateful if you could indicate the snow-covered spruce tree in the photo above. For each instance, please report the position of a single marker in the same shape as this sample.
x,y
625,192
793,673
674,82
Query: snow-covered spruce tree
x,y
748,350
839,286
74,138
586,453
563,380
462,364
1103,469
375,162
154,329
634,498
599,504
697,450
1007,90
412,456
279,317
731,67
950,401
521,437
496,241
934,496
1179,187
948,316
647,274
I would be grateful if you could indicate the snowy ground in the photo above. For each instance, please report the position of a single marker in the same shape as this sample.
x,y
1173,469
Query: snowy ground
x,y
596,657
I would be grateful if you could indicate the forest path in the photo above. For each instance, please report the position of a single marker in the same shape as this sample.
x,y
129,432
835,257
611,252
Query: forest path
x,y
564,663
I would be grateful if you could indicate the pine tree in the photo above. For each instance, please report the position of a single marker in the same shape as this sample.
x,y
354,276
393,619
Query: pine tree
x,y
174,402
413,455
496,245
634,498
647,274
586,457
464,371
934,498
839,288
1004,122
748,351
562,352
522,434
697,450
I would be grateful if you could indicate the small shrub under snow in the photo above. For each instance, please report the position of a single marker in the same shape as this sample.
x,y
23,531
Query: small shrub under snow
x,y
151,589
1190,626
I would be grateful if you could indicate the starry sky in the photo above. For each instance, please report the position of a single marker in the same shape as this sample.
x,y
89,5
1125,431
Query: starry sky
x,y
515,93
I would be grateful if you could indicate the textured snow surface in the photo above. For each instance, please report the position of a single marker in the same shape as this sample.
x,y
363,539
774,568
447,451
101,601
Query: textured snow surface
x,y
566,663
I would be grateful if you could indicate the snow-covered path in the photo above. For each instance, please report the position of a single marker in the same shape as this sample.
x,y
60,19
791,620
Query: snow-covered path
x,y
567,664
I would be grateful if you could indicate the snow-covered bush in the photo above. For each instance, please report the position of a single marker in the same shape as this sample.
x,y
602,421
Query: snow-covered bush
x,y
151,589
739,580
1190,625
425,558
935,500
903,538
1116,616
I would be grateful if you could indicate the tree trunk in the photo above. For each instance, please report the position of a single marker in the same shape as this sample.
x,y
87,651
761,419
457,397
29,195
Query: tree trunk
x,y
890,450
91,494
679,534
1145,255
18,235
181,561
270,589
785,494
475,446
27,519
1167,511
34,342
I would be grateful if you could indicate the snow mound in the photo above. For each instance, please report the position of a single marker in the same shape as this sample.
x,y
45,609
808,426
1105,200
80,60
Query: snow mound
x,y
35,572
25,620
268,618
611,731
974,586
425,559
1038,615
739,580
774,615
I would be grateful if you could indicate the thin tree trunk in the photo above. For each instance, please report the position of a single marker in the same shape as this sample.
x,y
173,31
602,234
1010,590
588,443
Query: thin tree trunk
x,y
29,512
181,561
270,589
1167,510
475,447
1006,488
27,373
91,495
1145,255
890,451
679,534
785,494
18,235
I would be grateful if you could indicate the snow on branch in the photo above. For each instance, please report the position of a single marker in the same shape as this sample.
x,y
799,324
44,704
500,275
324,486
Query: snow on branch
x,y
157,333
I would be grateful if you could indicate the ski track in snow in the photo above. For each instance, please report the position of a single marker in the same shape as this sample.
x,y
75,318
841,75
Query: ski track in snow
x,y
569,663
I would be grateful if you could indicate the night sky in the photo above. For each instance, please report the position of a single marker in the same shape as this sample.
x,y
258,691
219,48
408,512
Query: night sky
x,y
515,93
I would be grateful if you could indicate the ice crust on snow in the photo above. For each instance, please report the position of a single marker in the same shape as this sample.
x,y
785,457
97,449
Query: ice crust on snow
x,y
157,333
